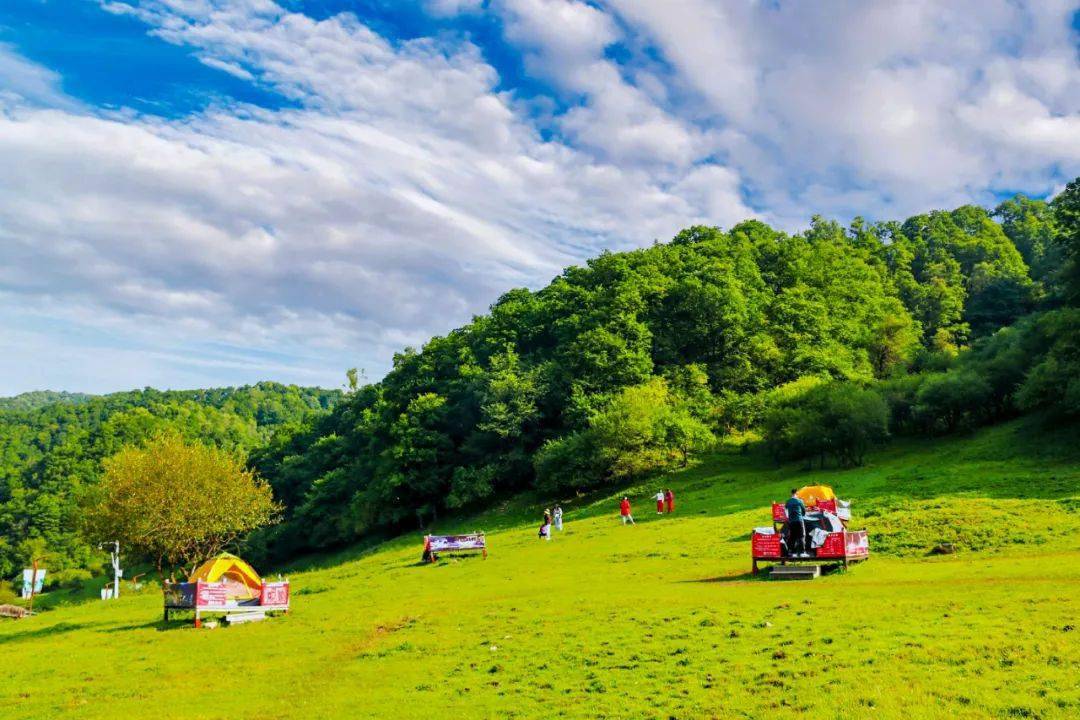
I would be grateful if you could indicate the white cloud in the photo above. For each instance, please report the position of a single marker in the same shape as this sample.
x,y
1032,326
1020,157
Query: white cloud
x,y
406,188
26,81
565,42
404,195
899,106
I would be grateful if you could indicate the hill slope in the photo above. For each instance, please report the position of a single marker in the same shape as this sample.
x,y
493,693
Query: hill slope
x,y
658,620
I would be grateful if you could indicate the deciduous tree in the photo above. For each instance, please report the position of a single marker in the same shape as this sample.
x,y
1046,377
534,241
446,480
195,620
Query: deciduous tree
x,y
177,503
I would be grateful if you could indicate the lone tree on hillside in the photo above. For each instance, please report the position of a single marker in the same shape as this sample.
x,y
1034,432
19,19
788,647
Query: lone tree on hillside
x,y
177,503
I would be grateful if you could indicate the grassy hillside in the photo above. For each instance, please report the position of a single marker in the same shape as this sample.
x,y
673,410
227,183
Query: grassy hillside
x,y
658,620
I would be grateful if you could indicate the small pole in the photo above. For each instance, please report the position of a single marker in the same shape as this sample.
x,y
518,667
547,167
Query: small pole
x,y
116,569
114,559
33,584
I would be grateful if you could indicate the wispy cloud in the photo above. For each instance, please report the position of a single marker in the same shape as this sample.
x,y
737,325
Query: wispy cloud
x,y
404,187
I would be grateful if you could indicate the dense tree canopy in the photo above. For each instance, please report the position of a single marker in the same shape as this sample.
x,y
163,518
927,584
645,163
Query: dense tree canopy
x,y
626,365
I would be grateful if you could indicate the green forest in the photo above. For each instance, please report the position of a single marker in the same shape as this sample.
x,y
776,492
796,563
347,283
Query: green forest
x,y
52,446
820,344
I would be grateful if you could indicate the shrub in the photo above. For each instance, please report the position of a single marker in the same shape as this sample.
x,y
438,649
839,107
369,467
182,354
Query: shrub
x,y
72,577
839,419
568,462
643,429
1054,381
900,396
949,401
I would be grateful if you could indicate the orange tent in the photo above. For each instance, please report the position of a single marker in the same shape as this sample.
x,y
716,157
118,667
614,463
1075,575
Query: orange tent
x,y
812,493
241,580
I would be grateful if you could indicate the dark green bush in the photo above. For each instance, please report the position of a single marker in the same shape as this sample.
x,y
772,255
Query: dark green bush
x,y
840,420
949,401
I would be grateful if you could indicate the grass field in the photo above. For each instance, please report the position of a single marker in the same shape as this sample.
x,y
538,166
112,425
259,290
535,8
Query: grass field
x,y
660,620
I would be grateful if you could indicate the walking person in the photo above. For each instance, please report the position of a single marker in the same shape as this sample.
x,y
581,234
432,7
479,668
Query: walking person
x,y
660,503
669,500
545,529
558,518
624,510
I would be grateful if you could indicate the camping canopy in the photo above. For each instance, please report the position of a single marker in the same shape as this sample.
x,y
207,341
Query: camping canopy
x,y
812,493
241,581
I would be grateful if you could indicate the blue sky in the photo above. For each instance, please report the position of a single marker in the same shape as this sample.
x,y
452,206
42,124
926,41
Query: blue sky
x,y
200,192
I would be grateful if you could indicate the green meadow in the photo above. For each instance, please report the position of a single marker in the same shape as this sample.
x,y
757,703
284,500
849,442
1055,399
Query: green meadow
x,y
659,620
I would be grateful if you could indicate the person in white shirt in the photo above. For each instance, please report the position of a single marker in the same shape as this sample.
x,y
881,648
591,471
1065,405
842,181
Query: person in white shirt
x,y
660,503
558,518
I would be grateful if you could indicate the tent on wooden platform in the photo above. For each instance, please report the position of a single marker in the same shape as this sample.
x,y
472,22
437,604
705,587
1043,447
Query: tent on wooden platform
x,y
241,580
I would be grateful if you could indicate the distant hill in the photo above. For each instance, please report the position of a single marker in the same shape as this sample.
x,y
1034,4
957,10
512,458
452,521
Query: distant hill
x,y
40,398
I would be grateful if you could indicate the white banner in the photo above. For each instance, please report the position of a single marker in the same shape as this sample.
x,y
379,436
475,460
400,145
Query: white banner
x,y
28,577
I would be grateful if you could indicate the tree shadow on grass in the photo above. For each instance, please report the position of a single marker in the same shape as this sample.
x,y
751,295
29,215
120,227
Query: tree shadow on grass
x,y
738,577
148,625
46,632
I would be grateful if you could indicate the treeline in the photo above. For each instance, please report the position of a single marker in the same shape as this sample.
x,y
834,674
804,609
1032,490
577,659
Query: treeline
x,y
40,398
50,452
825,341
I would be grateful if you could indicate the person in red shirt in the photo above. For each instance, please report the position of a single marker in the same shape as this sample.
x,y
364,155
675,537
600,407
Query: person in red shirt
x,y
624,510
669,499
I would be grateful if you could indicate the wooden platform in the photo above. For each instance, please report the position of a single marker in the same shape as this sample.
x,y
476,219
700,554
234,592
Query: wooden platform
x,y
236,618
794,572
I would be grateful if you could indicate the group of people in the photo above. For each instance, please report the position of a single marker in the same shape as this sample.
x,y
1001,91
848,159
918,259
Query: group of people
x,y
665,502
551,517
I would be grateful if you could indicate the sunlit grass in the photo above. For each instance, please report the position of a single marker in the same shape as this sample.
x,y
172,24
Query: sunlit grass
x,y
658,620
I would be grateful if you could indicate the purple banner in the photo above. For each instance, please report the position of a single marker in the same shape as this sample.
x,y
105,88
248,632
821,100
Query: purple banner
x,y
449,543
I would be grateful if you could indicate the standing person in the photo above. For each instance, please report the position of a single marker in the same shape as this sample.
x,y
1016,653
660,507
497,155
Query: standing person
x,y
558,518
669,498
624,510
796,525
660,502
546,528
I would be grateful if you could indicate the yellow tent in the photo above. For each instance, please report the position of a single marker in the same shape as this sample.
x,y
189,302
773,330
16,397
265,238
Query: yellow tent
x,y
241,581
812,493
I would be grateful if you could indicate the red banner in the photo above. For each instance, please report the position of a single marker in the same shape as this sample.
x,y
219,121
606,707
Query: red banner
x,y
833,546
209,594
765,546
856,543
276,593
